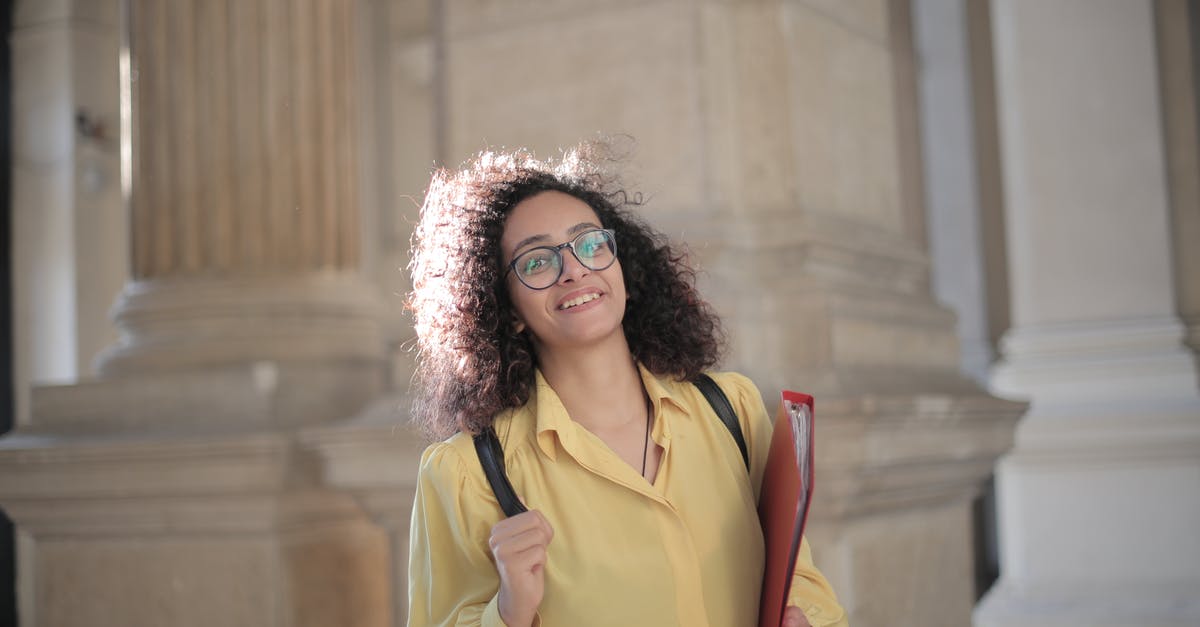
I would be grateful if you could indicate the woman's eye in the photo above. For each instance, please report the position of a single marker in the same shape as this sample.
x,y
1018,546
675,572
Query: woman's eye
x,y
591,246
534,264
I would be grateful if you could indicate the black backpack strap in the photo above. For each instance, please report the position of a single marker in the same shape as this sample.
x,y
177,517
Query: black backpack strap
x,y
491,456
720,404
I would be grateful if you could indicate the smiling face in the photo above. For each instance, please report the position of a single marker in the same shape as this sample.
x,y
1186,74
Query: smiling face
x,y
584,306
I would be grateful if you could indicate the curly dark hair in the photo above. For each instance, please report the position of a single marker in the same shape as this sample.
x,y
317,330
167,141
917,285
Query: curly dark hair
x,y
472,363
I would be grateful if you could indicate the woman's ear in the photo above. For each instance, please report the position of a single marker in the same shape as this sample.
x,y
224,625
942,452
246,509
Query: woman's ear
x,y
518,325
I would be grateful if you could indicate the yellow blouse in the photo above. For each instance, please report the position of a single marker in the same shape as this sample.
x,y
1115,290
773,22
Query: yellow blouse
x,y
687,550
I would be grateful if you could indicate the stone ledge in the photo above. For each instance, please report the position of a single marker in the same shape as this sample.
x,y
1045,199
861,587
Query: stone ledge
x,y
44,467
375,450
892,452
1110,433
254,393
161,400
208,516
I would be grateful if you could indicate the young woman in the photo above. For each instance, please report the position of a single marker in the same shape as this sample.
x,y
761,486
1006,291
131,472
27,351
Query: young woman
x,y
547,312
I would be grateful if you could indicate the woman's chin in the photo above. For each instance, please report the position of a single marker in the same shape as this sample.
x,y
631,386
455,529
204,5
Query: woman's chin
x,y
577,336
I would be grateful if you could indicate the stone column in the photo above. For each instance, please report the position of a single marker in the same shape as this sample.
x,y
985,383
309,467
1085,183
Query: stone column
x,y
173,489
244,188
779,140
829,280
69,239
1100,497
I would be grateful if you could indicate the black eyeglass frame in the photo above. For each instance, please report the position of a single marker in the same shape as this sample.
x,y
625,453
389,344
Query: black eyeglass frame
x,y
557,250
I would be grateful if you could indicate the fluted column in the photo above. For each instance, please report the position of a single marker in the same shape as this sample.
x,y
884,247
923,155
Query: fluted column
x,y
174,488
244,143
1100,498
244,198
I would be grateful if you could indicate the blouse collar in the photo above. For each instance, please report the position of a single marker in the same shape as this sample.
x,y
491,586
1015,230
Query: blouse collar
x,y
552,419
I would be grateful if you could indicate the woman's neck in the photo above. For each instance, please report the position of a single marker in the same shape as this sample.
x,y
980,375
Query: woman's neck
x,y
599,385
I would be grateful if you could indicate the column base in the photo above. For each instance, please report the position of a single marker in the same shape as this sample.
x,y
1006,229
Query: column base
x,y
891,518
144,530
1098,362
1099,501
905,566
375,456
1099,527
191,323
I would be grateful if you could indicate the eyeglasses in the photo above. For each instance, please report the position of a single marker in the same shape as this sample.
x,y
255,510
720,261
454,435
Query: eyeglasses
x,y
539,268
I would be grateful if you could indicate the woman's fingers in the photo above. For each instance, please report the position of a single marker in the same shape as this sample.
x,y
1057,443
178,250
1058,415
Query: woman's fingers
x,y
524,565
519,546
526,548
519,543
521,532
522,521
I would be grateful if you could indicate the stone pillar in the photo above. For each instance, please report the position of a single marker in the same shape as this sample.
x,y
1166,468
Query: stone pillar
x,y
779,140
69,238
835,268
1100,498
244,188
174,489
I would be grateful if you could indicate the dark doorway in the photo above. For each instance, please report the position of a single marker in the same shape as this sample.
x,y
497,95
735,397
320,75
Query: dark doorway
x,y
8,587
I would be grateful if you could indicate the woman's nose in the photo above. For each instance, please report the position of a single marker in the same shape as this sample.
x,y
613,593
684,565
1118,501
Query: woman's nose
x,y
572,270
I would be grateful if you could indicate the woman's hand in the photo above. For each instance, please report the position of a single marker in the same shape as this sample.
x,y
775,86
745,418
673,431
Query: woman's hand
x,y
794,617
519,546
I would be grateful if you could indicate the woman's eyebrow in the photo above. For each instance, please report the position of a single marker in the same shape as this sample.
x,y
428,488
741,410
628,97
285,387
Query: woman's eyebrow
x,y
529,240
581,227
578,228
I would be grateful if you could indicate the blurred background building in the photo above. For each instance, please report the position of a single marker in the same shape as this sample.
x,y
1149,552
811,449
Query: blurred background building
x,y
970,228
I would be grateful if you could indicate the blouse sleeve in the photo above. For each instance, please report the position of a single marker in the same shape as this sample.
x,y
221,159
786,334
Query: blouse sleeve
x,y
452,579
810,590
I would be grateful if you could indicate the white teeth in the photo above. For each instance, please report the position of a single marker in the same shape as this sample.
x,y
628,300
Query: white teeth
x,y
575,302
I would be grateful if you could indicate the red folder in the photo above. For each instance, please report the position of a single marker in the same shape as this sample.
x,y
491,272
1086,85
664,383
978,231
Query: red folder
x,y
783,501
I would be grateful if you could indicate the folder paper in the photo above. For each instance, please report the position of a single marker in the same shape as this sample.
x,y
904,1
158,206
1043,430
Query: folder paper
x,y
783,501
